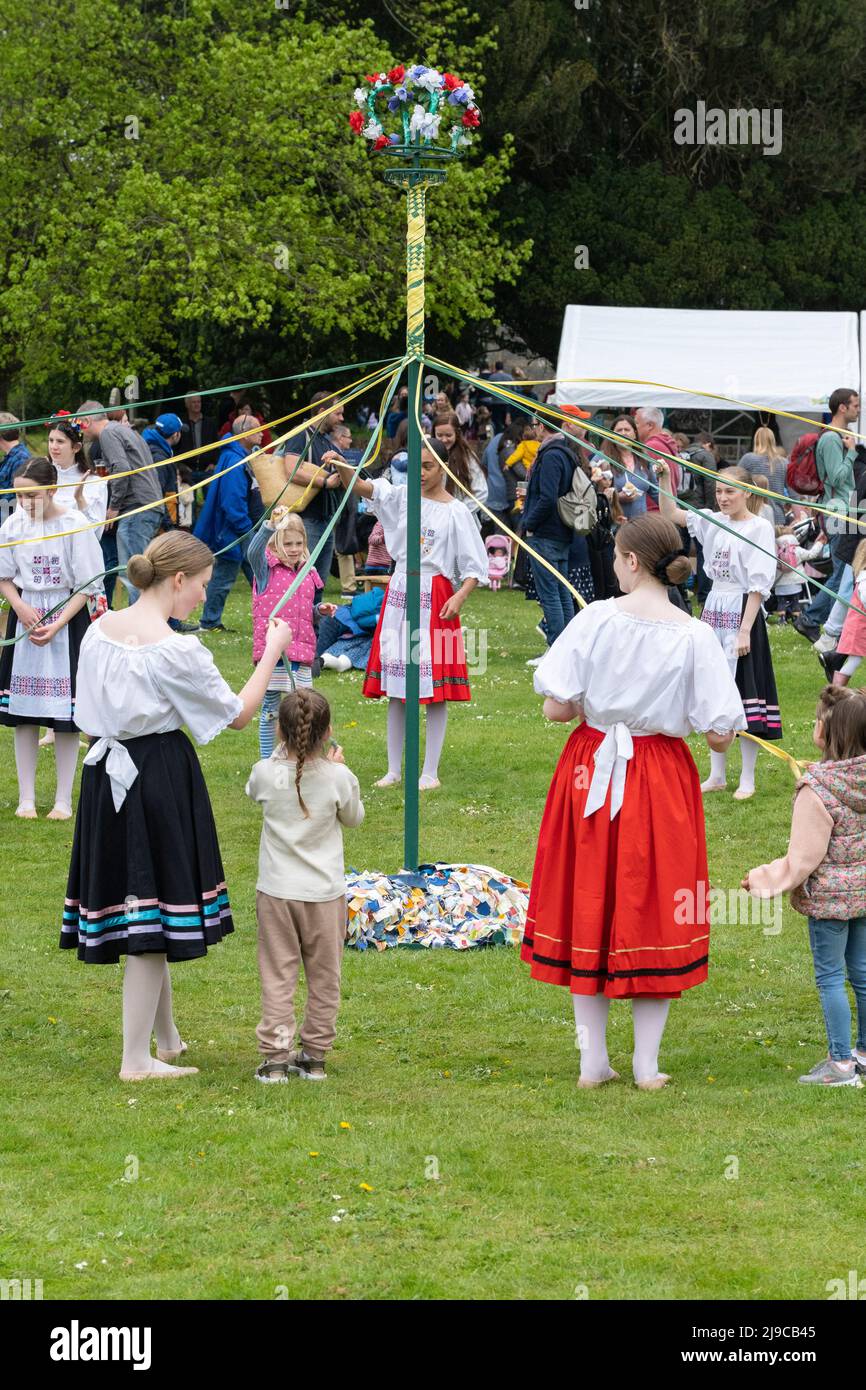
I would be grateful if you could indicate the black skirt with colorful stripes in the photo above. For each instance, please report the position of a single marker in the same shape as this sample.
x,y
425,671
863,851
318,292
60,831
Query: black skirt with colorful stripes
x,y
147,877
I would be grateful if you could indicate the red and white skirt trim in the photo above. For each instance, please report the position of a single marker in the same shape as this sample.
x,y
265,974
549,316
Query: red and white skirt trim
x,y
443,674
621,907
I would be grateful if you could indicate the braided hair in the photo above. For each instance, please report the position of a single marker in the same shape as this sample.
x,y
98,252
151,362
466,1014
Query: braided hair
x,y
304,719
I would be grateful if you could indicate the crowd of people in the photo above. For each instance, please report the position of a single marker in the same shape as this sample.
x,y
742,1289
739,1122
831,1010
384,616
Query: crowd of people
x,y
640,522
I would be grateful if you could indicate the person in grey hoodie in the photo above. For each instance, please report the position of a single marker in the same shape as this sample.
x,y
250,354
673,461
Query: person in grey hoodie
x,y
122,451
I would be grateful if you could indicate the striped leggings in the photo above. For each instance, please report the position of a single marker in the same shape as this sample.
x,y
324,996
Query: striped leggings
x,y
301,676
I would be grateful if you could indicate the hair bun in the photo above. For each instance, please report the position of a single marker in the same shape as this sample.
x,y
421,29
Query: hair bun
x,y
140,571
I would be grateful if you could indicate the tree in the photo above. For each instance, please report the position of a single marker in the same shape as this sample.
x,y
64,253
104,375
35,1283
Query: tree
x,y
181,174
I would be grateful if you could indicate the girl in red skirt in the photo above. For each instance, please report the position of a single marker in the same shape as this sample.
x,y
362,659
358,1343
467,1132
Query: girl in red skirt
x,y
619,901
852,643
453,561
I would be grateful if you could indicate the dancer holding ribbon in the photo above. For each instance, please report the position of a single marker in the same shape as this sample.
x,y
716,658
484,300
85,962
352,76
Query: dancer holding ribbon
x,y
740,559
49,564
619,901
146,878
453,562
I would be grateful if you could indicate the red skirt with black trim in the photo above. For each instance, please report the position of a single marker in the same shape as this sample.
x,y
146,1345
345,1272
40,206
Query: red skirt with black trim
x,y
621,907
443,674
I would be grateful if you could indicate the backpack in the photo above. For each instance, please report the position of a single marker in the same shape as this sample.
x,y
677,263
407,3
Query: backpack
x,y
802,473
578,508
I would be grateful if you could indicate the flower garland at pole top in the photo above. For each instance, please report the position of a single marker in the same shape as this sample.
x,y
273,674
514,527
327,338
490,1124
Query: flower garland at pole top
x,y
422,127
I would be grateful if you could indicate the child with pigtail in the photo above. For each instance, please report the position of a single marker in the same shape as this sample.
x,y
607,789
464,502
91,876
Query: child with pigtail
x,y
307,794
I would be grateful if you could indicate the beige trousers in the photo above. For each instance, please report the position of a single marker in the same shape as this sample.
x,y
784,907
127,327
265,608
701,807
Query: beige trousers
x,y
346,566
290,933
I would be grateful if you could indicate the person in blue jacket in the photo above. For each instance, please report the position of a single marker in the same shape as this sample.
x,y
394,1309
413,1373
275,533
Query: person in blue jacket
x,y
345,639
226,517
161,438
549,479
14,453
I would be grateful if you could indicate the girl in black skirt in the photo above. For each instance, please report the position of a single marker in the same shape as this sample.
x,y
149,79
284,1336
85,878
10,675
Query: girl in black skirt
x,y
741,562
146,879
40,568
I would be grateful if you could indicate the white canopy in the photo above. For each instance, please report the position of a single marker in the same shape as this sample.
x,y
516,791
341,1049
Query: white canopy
x,y
776,360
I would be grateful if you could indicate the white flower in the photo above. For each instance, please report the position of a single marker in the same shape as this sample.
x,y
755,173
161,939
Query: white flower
x,y
82,1264
372,130
422,123
360,96
431,79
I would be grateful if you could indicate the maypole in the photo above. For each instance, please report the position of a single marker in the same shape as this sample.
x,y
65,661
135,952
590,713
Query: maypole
x,y
417,145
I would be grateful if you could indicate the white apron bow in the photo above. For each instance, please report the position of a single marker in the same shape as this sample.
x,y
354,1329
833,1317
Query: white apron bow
x,y
121,770
611,759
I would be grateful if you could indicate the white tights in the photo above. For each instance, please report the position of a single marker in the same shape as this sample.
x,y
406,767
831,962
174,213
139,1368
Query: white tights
x,y
147,1007
719,765
590,1018
26,754
437,722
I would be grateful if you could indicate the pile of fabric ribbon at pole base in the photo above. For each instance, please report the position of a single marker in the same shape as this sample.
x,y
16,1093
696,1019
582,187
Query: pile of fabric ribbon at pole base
x,y
445,905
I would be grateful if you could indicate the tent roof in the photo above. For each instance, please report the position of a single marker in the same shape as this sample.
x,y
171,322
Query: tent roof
x,y
777,360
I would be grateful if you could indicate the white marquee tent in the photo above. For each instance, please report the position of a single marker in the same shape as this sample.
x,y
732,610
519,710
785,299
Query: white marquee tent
x,y
776,360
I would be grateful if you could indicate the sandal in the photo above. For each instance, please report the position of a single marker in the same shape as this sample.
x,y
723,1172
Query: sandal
x,y
390,780
272,1071
27,811
169,1056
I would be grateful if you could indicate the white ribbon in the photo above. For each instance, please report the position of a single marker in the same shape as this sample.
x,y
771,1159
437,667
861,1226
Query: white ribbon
x,y
611,758
121,770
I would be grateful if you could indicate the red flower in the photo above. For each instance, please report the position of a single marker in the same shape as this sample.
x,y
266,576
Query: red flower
x,y
397,74
372,78
471,118
356,121
451,82
381,142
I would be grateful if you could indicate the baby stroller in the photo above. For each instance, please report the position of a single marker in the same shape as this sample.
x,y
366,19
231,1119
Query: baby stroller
x,y
498,559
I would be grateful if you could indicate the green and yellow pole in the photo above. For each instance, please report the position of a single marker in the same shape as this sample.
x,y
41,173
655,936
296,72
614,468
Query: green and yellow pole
x,y
416,182
416,200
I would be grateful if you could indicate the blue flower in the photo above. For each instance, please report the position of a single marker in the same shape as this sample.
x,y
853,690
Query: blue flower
x,y
418,71
395,139
461,96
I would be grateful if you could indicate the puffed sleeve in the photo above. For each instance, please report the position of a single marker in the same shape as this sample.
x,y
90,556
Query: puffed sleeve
x,y
96,503
7,552
759,564
389,503
563,672
713,700
469,555
699,525
188,677
86,555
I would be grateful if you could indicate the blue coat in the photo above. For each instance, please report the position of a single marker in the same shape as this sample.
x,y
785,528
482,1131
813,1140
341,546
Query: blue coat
x,y
549,479
17,455
362,614
225,516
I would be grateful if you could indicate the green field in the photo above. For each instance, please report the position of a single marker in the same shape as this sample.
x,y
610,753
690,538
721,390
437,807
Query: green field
x,y
456,1065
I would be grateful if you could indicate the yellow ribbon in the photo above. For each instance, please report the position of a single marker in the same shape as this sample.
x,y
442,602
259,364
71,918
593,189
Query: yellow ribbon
x,y
218,444
361,386
553,412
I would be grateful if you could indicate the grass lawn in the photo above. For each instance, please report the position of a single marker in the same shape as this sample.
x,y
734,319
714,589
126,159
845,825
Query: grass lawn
x,y
732,1183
